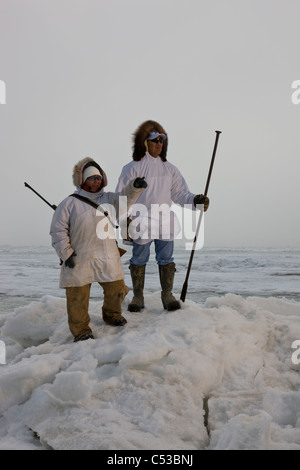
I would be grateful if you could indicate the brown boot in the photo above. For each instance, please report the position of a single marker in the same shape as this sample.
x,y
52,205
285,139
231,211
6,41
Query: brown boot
x,y
114,320
138,280
114,294
77,308
166,275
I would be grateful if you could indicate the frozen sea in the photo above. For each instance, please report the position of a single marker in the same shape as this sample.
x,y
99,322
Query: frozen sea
x,y
221,373
29,273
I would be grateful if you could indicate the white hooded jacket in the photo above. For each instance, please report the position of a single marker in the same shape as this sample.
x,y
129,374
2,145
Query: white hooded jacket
x,y
78,227
165,186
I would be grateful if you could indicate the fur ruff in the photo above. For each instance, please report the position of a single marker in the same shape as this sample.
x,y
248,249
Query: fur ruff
x,y
141,134
79,169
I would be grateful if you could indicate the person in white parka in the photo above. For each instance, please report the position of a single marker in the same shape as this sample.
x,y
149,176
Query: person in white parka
x,y
83,236
158,223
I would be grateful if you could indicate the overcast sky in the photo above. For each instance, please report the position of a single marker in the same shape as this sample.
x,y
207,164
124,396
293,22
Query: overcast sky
x,y
81,75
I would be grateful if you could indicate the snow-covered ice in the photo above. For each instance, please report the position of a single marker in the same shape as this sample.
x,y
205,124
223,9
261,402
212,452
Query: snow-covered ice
x,y
222,375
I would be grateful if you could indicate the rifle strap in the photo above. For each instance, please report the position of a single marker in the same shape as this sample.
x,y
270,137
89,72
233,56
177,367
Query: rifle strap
x,y
87,200
95,205
98,207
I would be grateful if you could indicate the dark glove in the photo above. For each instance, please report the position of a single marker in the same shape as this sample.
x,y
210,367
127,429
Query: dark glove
x,y
70,263
140,183
201,199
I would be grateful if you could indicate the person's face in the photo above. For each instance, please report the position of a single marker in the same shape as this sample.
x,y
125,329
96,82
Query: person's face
x,y
155,146
92,184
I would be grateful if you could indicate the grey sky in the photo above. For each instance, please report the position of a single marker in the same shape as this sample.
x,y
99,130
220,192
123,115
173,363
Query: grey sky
x,y
81,76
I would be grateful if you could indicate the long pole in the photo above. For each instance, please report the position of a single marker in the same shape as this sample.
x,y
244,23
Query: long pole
x,y
185,284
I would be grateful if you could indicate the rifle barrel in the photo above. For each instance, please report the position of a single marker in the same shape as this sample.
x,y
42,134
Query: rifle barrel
x,y
53,206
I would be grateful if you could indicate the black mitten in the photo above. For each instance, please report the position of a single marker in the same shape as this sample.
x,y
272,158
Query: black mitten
x,y
140,183
70,262
201,199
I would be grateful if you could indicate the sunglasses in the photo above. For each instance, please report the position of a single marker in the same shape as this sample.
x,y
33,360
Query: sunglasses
x,y
157,140
94,178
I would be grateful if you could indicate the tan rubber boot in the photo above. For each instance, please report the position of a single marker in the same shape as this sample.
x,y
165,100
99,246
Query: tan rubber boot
x,y
77,308
114,294
166,275
138,280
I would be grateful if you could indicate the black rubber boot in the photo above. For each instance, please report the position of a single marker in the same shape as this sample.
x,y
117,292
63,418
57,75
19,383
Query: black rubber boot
x,y
138,281
166,275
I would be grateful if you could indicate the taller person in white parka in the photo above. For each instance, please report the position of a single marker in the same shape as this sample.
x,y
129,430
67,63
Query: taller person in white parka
x,y
165,186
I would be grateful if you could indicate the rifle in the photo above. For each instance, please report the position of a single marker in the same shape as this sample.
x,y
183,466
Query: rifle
x,y
54,207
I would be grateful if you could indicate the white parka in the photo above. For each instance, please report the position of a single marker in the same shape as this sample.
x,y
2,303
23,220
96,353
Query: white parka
x,y
78,227
165,186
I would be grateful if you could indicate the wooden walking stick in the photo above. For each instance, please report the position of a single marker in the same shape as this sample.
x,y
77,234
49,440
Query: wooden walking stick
x,y
185,284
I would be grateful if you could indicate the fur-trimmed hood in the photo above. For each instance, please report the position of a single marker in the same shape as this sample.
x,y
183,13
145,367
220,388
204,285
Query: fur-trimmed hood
x,y
81,166
141,134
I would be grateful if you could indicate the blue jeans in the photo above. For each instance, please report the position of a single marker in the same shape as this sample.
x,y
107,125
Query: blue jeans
x,y
163,252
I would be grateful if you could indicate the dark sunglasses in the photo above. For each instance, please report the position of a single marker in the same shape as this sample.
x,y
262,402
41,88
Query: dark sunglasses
x,y
93,178
157,140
